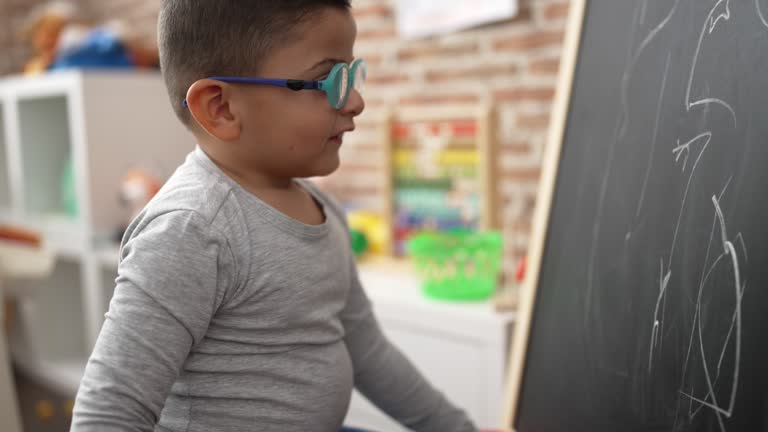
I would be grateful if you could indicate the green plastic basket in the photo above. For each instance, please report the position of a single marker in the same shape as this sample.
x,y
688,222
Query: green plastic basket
x,y
457,265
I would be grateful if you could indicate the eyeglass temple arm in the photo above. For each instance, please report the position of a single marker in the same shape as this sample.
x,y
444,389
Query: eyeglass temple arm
x,y
292,84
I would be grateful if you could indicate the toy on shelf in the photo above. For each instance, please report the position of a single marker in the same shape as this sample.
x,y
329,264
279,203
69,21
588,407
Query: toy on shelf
x,y
370,228
137,188
61,39
441,166
42,30
459,265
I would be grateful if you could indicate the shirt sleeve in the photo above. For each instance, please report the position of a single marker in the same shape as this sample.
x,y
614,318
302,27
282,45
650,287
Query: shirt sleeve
x,y
174,273
388,379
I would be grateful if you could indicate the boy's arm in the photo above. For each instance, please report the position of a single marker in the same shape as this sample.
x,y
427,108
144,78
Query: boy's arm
x,y
172,278
388,379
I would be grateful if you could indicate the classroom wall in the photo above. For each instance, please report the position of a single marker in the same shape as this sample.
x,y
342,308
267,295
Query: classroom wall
x,y
514,64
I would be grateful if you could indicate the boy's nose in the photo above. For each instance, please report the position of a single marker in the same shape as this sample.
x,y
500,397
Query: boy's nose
x,y
355,104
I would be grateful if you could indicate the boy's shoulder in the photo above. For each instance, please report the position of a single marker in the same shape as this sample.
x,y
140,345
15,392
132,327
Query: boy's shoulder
x,y
194,190
193,187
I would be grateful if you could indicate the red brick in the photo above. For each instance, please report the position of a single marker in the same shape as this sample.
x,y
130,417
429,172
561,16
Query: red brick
x,y
431,49
515,147
533,121
529,41
360,167
474,72
371,58
378,11
523,14
383,33
556,11
545,66
385,78
516,94
521,174
437,98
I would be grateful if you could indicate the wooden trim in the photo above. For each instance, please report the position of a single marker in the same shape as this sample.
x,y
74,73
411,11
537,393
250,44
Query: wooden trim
x,y
385,135
557,128
488,179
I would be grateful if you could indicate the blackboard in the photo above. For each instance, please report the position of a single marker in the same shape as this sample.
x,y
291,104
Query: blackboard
x,y
647,299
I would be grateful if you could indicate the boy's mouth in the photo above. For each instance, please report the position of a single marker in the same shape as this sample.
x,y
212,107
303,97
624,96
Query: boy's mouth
x,y
339,137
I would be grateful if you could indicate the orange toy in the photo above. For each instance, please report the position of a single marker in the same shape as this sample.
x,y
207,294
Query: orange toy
x,y
43,29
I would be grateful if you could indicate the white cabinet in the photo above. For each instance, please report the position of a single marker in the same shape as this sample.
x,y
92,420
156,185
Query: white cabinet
x,y
460,347
94,127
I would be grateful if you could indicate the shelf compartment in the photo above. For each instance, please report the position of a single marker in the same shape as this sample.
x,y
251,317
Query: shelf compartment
x,y
47,338
46,152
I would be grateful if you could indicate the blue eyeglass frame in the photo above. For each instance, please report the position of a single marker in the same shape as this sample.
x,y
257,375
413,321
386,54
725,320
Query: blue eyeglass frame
x,y
330,85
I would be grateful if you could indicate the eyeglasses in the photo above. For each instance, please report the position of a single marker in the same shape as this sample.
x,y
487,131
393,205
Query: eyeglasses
x,y
336,87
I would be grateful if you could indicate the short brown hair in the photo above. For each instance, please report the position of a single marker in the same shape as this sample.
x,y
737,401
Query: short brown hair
x,y
202,38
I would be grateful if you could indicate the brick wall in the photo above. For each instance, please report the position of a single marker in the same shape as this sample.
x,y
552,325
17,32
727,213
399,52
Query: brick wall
x,y
12,14
512,64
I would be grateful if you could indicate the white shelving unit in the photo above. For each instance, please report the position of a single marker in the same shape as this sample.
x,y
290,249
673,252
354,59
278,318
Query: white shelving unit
x,y
461,348
99,125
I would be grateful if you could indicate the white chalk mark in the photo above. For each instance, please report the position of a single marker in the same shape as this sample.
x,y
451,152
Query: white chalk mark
x,y
619,134
712,268
685,148
730,250
655,135
691,414
736,324
739,238
724,15
724,104
708,137
730,331
709,25
663,283
721,219
664,310
701,288
710,386
710,399
702,282
760,13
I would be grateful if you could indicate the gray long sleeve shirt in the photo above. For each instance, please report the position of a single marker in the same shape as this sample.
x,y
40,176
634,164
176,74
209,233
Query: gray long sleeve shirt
x,y
231,316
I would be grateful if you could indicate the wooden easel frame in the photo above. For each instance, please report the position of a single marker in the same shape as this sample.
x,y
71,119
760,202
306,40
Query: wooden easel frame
x,y
541,218
484,115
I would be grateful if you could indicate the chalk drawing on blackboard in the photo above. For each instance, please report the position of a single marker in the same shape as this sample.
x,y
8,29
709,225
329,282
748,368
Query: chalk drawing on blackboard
x,y
655,136
760,13
721,11
684,150
712,377
619,135
707,138
724,13
655,339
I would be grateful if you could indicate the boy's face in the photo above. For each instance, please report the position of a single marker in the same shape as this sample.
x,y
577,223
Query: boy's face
x,y
287,133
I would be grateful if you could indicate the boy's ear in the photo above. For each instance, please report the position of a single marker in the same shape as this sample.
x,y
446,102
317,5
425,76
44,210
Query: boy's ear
x,y
209,103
